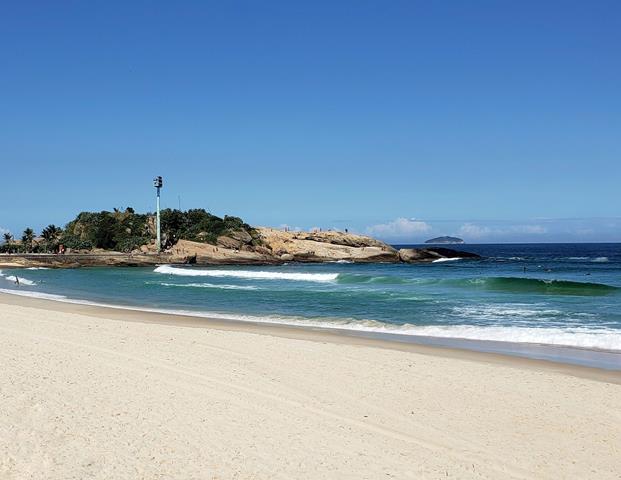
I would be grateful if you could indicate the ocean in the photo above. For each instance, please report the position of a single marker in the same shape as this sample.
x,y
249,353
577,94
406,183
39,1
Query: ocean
x,y
564,295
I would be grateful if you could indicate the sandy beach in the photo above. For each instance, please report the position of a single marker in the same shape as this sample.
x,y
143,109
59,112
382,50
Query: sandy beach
x,y
88,392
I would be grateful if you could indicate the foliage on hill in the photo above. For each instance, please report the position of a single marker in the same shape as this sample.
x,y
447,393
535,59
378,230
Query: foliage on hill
x,y
199,225
124,231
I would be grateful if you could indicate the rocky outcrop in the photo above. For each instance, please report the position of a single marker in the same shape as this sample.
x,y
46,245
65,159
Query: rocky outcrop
x,y
264,246
81,260
186,251
325,246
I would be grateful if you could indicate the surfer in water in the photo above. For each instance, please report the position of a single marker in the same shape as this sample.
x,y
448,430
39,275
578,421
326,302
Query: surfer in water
x,y
16,280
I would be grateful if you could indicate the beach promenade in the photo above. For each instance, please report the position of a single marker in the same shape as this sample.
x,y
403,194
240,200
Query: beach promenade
x,y
87,392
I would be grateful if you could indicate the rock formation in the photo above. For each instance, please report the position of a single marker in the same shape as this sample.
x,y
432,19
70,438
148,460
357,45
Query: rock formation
x,y
264,246
422,255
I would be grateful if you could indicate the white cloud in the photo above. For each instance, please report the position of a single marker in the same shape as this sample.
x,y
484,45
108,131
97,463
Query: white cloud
x,y
473,231
399,228
529,229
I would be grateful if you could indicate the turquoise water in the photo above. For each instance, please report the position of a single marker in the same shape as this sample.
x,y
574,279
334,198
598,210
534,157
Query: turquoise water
x,y
562,294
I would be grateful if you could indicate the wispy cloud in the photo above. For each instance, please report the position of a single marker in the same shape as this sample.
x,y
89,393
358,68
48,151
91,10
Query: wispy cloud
x,y
400,228
478,232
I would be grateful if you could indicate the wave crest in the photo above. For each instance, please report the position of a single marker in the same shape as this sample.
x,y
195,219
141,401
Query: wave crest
x,y
248,274
210,285
13,278
536,285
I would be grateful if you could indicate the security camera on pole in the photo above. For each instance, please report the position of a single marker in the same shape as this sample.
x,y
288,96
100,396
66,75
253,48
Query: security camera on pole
x,y
157,183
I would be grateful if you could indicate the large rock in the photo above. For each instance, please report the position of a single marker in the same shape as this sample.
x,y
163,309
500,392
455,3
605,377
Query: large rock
x,y
414,255
422,255
450,253
326,246
241,235
228,242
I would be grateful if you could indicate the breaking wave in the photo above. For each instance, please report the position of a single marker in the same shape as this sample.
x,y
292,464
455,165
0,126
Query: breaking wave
x,y
346,278
248,274
210,285
535,285
13,278
600,260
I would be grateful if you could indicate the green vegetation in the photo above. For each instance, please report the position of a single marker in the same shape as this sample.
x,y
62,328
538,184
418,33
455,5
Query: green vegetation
x,y
122,231
8,246
198,225
27,239
125,231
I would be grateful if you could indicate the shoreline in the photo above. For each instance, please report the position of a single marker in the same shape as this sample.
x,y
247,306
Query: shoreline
x,y
548,358
93,392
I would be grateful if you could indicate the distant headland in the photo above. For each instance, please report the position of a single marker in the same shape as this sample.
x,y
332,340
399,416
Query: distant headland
x,y
445,240
127,238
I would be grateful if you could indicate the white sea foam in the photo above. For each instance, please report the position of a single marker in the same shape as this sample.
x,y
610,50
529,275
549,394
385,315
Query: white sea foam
x,y
439,260
604,339
600,338
248,274
30,293
504,311
14,278
211,285
578,258
37,268
600,260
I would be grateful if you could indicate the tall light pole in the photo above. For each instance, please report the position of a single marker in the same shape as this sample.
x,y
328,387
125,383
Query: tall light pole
x,y
157,183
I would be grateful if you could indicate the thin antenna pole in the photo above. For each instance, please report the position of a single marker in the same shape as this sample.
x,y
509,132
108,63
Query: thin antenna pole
x,y
157,183
157,223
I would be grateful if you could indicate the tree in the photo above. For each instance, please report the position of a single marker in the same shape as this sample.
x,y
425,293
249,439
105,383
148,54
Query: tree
x,y
27,239
7,242
51,232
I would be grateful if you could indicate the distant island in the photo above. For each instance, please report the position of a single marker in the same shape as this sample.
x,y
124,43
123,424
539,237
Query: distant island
x,y
125,237
439,240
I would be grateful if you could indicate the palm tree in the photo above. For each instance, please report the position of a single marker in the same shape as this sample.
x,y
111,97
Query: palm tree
x,y
50,234
7,240
27,238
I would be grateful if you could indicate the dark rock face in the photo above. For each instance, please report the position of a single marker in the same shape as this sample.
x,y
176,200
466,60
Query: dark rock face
x,y
421,255
450,253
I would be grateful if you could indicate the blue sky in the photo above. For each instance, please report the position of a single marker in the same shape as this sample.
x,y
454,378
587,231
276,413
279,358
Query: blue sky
x,y
492,120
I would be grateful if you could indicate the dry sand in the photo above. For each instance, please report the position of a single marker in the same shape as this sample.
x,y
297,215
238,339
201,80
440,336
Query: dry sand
x,y
86,394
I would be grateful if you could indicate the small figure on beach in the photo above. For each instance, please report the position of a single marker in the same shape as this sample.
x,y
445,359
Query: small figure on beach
x,y
16,280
